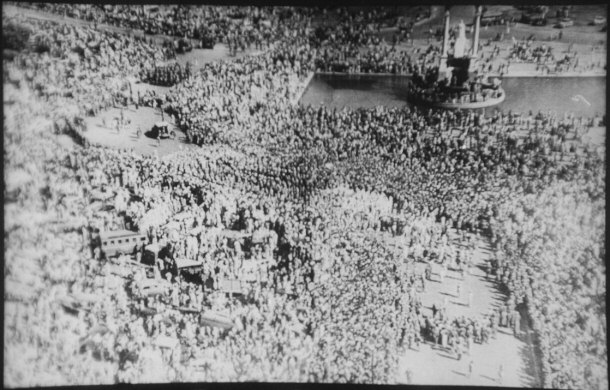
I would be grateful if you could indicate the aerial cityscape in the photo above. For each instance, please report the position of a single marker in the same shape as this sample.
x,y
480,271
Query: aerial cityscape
x,y
384,195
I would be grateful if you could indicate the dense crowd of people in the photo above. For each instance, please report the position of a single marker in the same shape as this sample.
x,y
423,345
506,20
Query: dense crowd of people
x,y
542,56
565,227
167,75
315,211
340,39
72,65
546,59
237,27
525,51
376,59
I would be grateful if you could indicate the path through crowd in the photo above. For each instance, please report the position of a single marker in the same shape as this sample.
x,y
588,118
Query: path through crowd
x,y
429,364
197,57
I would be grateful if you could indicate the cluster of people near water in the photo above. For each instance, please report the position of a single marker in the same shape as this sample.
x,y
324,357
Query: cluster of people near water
x,y
525,51
547,61
313,210
375,59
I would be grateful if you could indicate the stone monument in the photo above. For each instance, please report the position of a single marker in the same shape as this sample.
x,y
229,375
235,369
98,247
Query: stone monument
x,y
459,48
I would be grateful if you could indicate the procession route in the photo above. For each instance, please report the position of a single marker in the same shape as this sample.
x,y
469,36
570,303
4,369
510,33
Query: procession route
x,y
430,365
197,57
12,11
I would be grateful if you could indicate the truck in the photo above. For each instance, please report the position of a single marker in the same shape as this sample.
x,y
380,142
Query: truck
x,y
118,242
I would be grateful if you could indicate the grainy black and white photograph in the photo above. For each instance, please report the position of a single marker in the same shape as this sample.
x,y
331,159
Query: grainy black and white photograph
x,y
329,194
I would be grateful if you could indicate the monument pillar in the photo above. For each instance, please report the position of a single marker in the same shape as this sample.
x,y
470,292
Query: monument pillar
x,y
474,58
477,27
444,53
459,48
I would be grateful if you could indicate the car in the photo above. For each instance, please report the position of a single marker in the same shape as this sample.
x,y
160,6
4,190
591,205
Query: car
x,y
599,20
183,46
539,22
565,22
161,130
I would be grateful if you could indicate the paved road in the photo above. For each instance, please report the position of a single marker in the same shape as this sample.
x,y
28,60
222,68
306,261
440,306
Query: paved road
x,y
197,57
431,366
12,11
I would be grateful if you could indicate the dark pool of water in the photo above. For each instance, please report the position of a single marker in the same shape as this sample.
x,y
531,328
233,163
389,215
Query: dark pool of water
x,y
522,93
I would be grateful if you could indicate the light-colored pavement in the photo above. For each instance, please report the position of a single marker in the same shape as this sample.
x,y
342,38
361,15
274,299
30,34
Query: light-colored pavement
x,y
485,294
595,136
431,366
144,118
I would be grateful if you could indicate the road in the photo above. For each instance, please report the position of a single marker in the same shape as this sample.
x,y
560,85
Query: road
x,y
197,57
431,366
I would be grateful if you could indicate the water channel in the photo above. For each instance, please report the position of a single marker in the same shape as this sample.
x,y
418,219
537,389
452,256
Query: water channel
x,y
578,95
